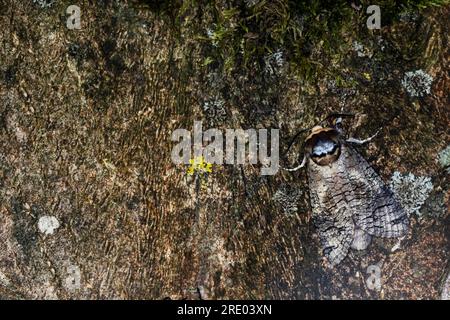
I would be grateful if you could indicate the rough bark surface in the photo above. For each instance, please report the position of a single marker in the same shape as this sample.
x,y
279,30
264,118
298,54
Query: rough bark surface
x,y
86,118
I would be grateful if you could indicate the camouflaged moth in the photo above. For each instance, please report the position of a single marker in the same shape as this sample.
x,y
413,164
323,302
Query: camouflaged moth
x,y
350,202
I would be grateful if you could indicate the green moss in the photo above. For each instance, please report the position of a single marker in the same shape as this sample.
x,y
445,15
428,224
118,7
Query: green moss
x,y
238,34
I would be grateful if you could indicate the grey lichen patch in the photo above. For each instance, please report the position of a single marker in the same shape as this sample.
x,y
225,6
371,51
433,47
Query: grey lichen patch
x,y
408,16
360,50
411,191
444,158
417,83
44,3
214,111
287,197
48,224
274,63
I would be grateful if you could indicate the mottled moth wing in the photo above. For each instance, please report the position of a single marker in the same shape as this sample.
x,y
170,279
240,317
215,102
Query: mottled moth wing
x,y
375,209
346,195
336,230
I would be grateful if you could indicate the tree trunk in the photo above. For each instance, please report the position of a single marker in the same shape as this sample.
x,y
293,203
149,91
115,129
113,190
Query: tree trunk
x,y
93,207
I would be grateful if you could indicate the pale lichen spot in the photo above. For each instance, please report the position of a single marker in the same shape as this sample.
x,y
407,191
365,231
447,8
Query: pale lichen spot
x,y
48,224
411,191
417,83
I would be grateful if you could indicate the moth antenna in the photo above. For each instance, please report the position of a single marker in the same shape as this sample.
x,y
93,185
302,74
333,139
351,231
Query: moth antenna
x,y
293,140
298,167
358,141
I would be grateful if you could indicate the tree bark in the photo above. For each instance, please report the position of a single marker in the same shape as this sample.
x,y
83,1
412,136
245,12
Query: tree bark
x,y
87,117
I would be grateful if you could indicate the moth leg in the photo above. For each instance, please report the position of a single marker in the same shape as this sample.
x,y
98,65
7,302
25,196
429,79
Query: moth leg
x,y
298,167
358,141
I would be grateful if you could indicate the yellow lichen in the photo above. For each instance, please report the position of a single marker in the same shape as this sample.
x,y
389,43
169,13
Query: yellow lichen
x,y
199,165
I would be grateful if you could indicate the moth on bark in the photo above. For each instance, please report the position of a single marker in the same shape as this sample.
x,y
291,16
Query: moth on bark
x,y
350,202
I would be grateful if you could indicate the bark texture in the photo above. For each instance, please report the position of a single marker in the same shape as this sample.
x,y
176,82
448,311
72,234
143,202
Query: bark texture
x,y
86,118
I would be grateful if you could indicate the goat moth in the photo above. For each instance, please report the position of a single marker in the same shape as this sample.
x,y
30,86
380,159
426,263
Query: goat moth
x,y
350,202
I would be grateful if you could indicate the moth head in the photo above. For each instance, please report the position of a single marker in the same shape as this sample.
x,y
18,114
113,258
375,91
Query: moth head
x,y
323,146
